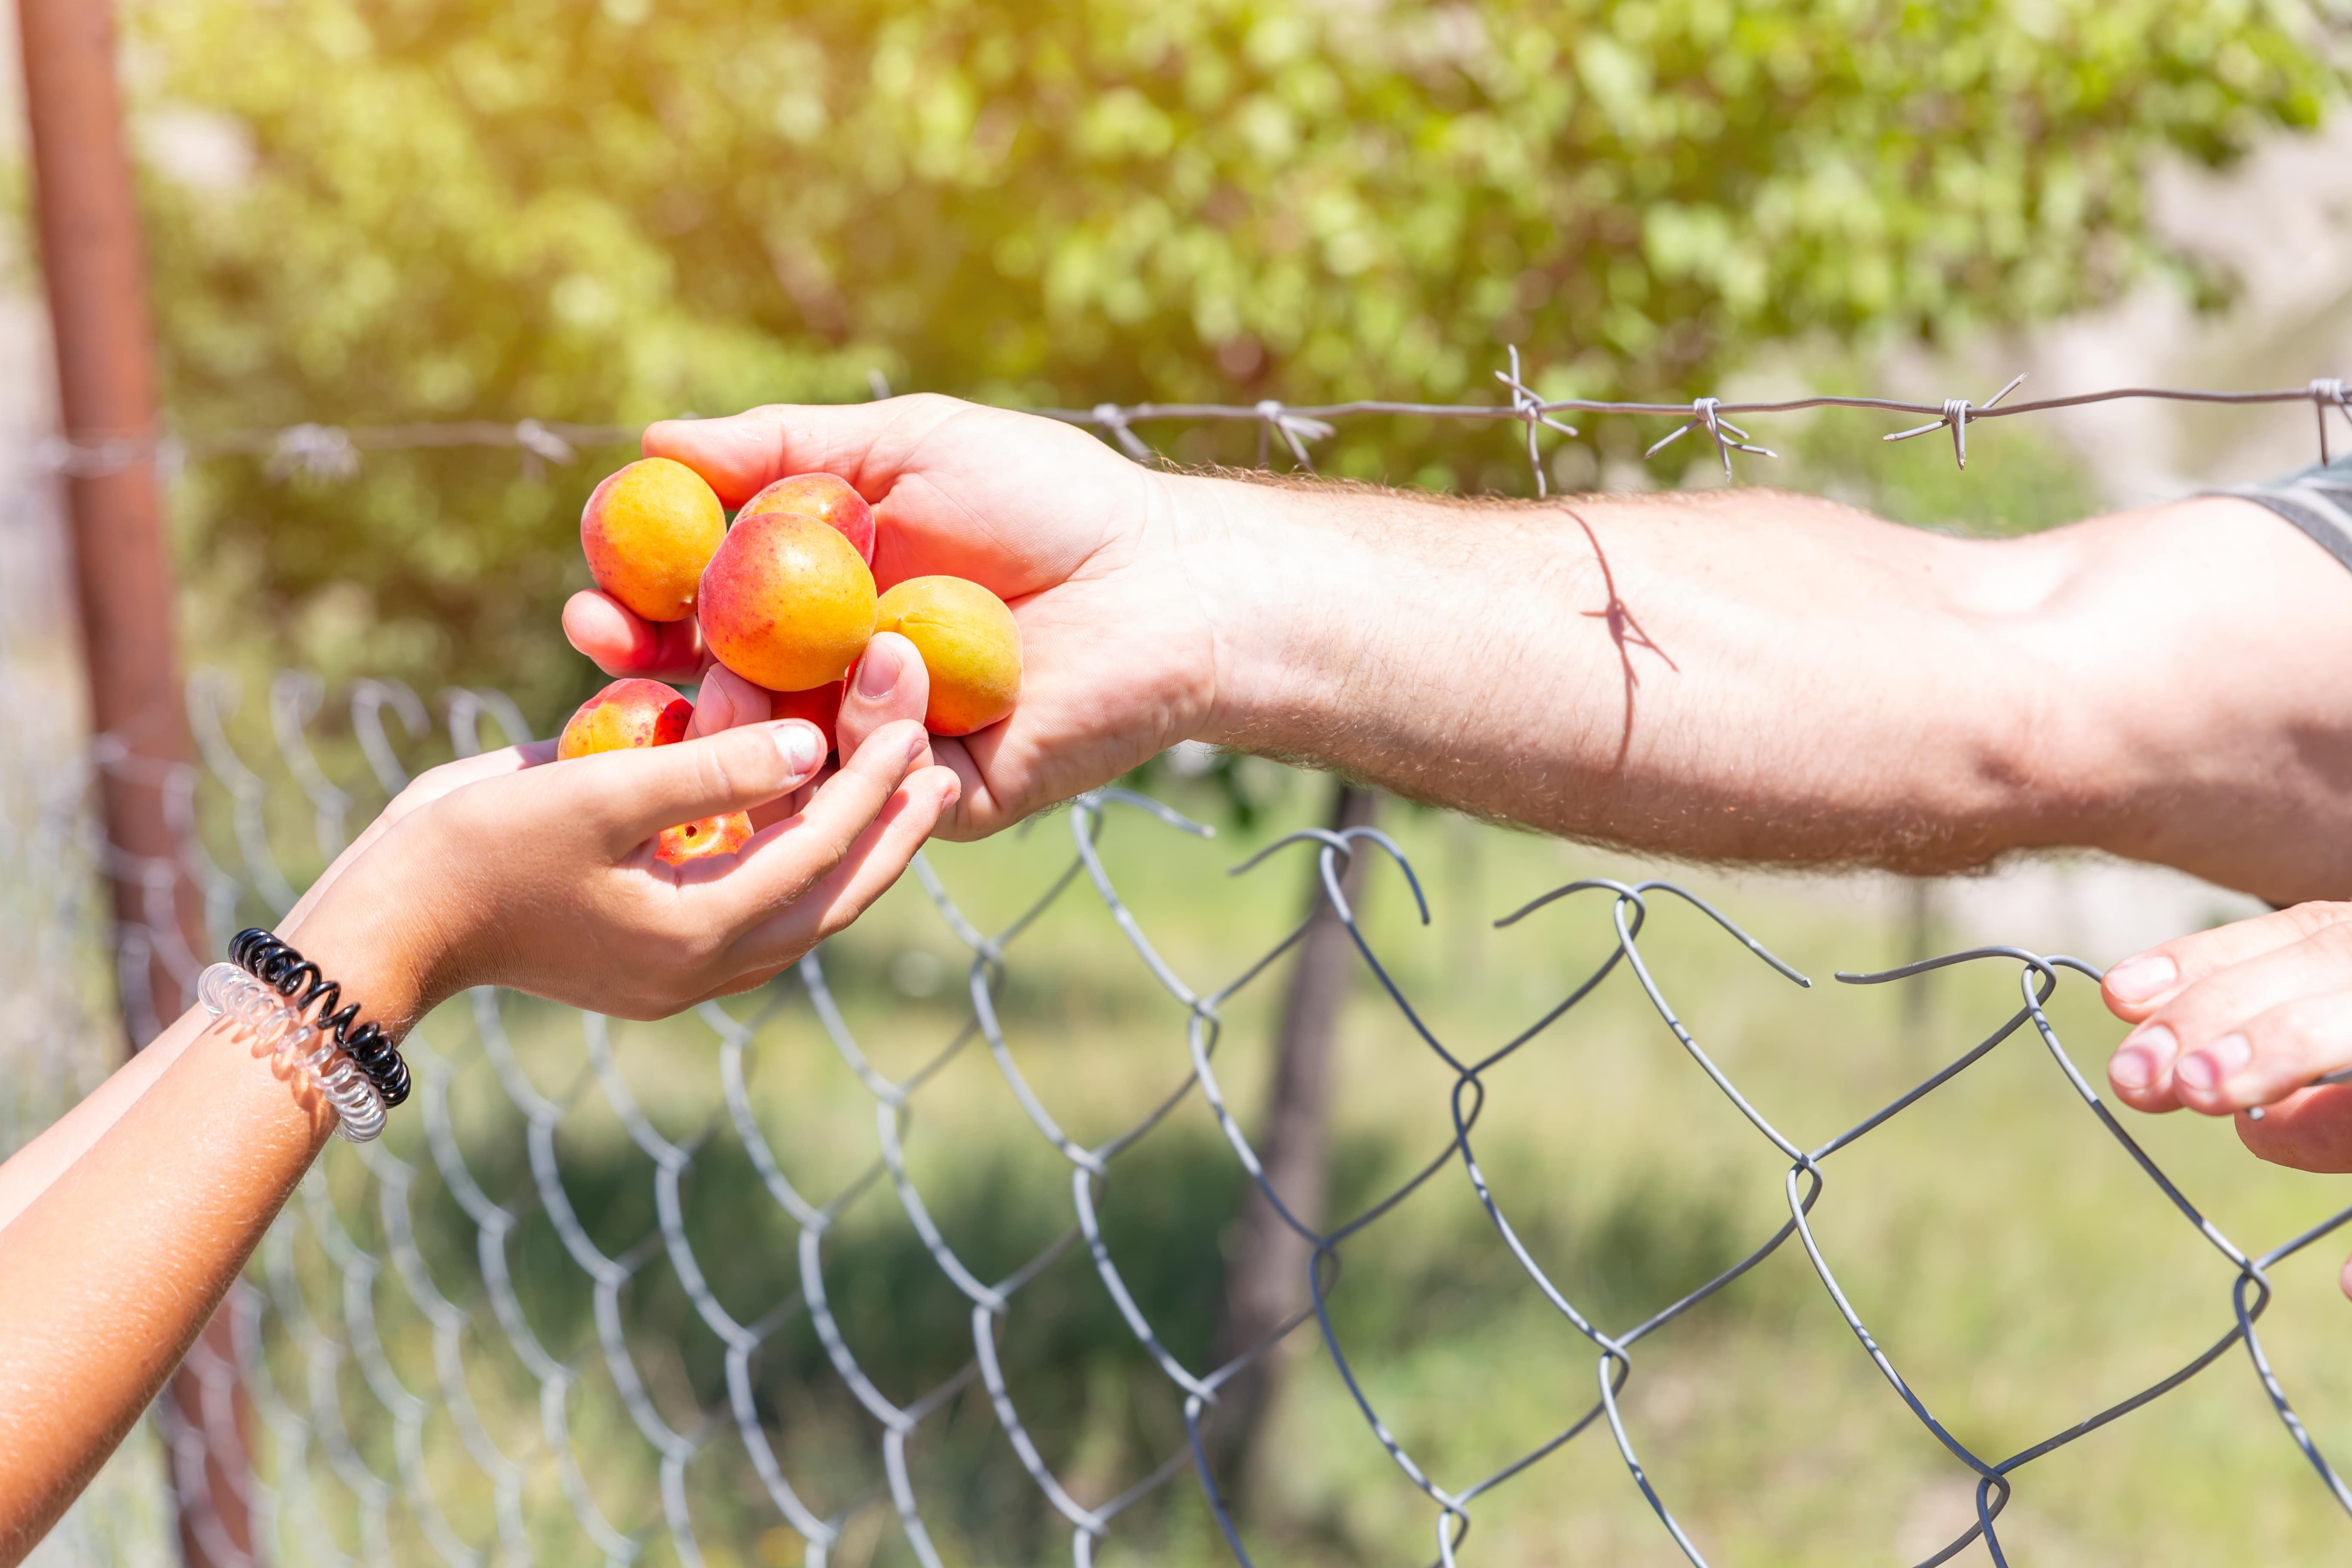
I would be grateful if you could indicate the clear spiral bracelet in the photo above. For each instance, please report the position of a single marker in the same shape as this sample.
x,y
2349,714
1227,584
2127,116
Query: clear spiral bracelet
x,y
256,1012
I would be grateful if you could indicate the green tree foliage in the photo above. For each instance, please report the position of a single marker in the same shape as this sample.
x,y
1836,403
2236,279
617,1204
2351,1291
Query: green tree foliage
x,y
495,208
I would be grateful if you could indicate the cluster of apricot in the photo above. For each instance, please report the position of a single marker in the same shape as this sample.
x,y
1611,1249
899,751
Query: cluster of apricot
x,y
785,599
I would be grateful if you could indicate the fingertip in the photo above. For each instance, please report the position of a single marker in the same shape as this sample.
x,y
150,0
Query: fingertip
x,y
888,684
802,745
662,438
2132,987
621,643
600,628
725,701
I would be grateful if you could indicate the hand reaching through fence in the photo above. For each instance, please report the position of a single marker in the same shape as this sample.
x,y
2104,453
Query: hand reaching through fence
x,y
1735,676
2237,1021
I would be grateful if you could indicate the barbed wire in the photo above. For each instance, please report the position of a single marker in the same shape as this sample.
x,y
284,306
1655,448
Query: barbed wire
x,y
334,452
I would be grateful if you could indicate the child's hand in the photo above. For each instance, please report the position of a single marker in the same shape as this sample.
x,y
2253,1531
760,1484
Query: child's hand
x,y
509,870
2245,1016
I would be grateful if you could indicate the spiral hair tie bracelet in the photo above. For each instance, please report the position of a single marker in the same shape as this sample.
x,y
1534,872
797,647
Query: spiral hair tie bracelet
x,y
258,1013
277,965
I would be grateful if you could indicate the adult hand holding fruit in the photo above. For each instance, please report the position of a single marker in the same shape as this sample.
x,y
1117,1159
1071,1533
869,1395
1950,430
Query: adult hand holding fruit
x,y
1113,653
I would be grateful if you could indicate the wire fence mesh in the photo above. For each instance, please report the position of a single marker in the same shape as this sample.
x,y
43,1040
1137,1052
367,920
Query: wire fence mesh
x,y
542,1321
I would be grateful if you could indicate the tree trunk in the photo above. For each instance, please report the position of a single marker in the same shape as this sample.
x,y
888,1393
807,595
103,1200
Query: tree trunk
x,y
1266,1282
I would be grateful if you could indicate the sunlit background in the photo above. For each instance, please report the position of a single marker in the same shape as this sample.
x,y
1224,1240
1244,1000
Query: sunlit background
x,y
440,210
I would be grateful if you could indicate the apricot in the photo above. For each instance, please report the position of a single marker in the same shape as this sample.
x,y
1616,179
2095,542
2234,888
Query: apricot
x,y
786,603
820,705
629,713
700,840
824,496
648,532
971,645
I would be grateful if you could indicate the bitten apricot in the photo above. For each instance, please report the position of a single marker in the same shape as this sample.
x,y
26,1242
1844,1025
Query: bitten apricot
x,y
630,714
971,645
786,603
824,496
700,840
648,532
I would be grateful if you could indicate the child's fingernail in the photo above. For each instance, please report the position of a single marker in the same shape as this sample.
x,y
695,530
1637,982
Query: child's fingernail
x,y
2138,979
2212,1067
802,746
877,671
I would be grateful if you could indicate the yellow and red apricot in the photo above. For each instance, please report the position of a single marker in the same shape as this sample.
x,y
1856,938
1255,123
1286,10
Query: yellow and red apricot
x,y
648,530
824,496
970,646
630,714
786,603
701,839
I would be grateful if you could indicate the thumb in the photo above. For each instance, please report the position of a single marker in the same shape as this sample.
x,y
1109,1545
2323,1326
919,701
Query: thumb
x,y
737,455
626,797
888,684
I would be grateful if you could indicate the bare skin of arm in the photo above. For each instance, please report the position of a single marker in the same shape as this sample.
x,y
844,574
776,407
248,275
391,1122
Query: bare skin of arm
x,y
123,1225
1739,675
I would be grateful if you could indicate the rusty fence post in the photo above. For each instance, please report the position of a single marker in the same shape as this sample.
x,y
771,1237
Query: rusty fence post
x,y
94,271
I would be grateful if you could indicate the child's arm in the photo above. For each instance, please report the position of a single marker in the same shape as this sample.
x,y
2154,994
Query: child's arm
x,y
122,1227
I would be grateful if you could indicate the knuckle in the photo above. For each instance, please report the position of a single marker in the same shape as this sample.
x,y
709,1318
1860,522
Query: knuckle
x,y
718,768
933,404
467,814
2318,915
2332,943
746,761
676,951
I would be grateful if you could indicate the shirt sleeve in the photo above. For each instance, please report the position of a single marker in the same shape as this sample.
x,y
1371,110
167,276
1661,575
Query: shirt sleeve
x,y
2317,500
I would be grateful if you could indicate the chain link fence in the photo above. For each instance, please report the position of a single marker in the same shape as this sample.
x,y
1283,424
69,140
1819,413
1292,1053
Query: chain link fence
x,y
627,1292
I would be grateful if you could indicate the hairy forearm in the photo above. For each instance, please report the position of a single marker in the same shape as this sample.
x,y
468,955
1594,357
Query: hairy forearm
x,y
1756,676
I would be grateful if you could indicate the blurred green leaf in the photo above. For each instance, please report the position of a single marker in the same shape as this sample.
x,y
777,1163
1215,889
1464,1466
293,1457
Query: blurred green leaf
x,y
462,208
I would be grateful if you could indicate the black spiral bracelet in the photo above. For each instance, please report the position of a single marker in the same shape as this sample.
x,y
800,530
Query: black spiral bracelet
x,y
277,965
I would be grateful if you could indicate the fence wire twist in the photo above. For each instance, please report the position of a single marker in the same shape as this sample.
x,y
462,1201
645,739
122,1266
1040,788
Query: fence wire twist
x,y
301,1358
